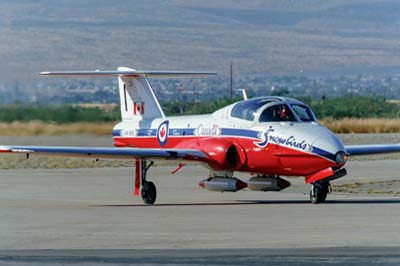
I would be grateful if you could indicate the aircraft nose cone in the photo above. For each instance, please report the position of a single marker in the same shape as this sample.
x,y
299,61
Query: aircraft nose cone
x,y
326,144
341,157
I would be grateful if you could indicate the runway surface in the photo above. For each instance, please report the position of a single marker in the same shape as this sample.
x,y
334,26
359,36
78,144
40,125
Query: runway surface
x,y
299,257
73,209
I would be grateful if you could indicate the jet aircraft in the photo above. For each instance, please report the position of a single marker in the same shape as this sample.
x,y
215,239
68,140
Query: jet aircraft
x,y
267,137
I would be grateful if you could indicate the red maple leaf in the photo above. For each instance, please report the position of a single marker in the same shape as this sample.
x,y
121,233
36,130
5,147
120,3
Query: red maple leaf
x,y
162,132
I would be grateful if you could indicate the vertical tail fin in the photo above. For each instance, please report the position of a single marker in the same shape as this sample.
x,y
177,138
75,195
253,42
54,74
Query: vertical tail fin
x,y
137,98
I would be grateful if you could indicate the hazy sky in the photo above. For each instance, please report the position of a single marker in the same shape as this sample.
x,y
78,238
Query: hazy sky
x,y
274,37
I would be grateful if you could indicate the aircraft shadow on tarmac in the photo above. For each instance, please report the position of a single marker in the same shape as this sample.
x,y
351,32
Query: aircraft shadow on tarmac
x,y
258,202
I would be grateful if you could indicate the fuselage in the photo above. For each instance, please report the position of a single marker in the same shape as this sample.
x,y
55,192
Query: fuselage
x,y
291,145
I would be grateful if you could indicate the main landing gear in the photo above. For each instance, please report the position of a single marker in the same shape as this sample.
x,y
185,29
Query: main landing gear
x,y
319,191
148,191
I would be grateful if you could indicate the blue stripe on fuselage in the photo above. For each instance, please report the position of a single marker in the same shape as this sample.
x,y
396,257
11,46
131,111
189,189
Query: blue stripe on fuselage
x,y
116,132
191,132
146,132
240,132
324,153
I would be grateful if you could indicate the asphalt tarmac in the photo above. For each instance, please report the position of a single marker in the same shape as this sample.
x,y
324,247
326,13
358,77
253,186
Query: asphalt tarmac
x,y
89,216
317,256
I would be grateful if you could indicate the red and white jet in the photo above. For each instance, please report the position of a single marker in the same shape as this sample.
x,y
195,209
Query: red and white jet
x,y
267,136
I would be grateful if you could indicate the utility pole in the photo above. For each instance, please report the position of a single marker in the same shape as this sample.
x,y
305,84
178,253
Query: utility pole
x,y
231,80
16,91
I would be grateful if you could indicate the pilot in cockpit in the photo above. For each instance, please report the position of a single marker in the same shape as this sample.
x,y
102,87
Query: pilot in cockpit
x,y
277,113
283,113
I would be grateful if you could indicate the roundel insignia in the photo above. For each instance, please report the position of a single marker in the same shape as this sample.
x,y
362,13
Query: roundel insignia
x,y
162,133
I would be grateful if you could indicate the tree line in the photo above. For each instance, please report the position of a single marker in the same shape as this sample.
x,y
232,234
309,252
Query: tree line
x,y
337,108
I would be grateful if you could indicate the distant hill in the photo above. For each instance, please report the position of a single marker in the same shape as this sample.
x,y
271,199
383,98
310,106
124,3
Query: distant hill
x,y
308,37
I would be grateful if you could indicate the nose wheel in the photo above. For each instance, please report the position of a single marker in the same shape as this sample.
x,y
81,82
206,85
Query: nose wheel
x,y
319,192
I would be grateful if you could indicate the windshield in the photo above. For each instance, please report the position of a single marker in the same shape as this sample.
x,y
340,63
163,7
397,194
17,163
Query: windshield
x,y
247,109
303,112
277,113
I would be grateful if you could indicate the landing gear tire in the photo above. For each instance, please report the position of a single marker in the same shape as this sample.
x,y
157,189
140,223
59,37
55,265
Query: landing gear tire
x,y
149,193
318,192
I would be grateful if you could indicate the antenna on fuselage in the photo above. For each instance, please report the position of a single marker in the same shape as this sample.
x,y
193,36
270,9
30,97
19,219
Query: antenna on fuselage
x,y
244,94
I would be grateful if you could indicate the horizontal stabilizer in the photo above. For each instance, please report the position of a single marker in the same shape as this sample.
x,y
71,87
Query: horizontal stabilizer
x,y
124,73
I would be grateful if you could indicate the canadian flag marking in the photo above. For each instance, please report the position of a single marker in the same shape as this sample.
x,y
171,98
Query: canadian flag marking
x,y
138,108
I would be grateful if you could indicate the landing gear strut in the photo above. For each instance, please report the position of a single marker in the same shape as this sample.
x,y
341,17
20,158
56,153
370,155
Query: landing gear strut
x,y
319,191
148,191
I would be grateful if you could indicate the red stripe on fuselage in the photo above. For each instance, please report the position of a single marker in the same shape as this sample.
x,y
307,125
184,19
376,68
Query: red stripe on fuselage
x,y
273,159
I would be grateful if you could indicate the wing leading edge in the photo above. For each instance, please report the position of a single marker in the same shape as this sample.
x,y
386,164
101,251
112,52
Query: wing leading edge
x,y
372,149
108,152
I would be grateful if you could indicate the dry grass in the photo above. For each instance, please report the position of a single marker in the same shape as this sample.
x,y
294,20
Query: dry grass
x,y
370,125
108,107
35,128
19,161
381,187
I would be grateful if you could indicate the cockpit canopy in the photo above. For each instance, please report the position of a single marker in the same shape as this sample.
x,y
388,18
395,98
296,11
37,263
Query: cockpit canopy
x,y
272,109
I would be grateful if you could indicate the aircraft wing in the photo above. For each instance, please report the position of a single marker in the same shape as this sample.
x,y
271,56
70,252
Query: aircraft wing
x,y
107,152
372,149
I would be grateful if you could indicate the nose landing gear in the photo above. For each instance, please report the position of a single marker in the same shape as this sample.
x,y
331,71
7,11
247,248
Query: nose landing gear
x,y
319,192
